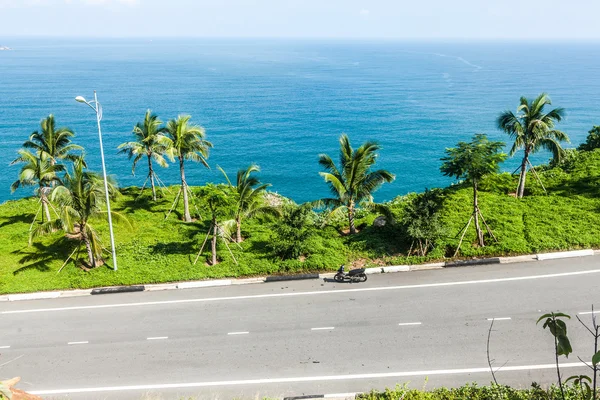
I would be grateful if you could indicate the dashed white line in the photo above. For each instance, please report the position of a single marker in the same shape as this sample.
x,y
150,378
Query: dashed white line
x,y
323,378
320,292
238,333
500,319
4,347
157,338
409,323
325,328
83,342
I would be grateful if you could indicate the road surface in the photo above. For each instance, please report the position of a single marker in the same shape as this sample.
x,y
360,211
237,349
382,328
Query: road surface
x,y
301,337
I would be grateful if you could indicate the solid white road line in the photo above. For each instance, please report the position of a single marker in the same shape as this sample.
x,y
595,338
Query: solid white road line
x,y
238,333
409,323
84,342
589,312
325,328
322,292
500,319
302,379
157,338
4,347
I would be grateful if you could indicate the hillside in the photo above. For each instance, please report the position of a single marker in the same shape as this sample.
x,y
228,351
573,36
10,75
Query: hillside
x,y
156,250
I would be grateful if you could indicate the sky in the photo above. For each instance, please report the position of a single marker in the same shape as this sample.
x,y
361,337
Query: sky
x,y
351,19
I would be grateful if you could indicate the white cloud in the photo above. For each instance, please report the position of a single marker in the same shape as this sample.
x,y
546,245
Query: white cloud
x,y
364,13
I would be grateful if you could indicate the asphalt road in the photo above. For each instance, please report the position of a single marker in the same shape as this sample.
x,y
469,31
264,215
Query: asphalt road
x,y
301,337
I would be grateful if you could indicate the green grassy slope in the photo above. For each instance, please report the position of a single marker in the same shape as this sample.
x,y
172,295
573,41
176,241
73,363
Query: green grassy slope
x,y
158,250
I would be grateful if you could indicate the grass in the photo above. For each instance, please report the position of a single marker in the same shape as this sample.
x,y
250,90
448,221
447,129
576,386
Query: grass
x,y
156,250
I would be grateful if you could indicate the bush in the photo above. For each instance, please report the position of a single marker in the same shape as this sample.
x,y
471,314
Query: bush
x,y
291,234
474,392
592,141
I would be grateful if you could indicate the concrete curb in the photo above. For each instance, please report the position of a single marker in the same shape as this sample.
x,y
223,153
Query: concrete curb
x,y
117,289
278,278
475,261
565,254
332,396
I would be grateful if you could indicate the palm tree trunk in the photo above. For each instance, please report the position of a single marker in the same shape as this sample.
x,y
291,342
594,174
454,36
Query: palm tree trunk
x,y
238,224
151,176
351,218
213,244
521,189
476,214
186,204
88,247
44,200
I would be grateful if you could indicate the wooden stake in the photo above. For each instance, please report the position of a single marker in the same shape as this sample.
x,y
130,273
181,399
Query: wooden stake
x,y
463,234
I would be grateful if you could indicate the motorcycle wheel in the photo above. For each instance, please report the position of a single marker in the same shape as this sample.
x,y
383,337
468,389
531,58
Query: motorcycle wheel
x,y
338,278
363,277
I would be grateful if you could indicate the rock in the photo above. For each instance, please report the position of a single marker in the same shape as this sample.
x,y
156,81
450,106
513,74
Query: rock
x,y
379,221
16,393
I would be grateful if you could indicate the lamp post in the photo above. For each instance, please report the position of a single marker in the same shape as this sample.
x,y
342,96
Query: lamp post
x,y
97,107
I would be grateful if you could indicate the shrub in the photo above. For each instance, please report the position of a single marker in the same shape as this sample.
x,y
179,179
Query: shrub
x,y
291,234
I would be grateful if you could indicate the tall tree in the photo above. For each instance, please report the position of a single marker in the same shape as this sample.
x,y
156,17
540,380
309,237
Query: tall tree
x,y
186,141
354,183
149,141
80,199
532,129
39,170
472,161
250,197
55,142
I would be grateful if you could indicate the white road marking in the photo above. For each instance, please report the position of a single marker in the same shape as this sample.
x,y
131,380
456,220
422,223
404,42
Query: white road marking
x,y
325,328
84,342
322,292
588,312
264,381
157,338
500,319
4,347
238,333
409,323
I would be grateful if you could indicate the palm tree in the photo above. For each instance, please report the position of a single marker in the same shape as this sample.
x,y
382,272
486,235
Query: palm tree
x,y
80,199
532,129
55,142
354,183
186,141
148,141
472,161
38,170
250,197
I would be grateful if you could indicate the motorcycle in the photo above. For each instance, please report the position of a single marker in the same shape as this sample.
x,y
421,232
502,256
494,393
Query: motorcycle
x,y
355,275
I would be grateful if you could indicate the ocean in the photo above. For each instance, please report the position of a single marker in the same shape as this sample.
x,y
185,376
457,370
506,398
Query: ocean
x,y
280,103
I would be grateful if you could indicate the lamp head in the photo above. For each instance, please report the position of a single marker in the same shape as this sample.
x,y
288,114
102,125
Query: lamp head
x,y
80,99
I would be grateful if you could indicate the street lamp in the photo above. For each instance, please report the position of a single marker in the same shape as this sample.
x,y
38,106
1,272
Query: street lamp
x,y
97,107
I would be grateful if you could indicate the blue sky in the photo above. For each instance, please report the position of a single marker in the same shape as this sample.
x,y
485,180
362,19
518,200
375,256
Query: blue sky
x,y
397,19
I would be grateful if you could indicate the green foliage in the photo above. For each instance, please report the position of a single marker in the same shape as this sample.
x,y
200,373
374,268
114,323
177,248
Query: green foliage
x,y
422,219
291,235
475,392
592,141
473,160
54,142
558,328
354,183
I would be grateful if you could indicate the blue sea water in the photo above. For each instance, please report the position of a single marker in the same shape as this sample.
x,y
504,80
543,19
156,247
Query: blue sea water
x,y
280,103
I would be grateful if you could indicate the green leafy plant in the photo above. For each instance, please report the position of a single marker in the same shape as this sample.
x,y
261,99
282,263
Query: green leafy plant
x,y
532,129
291,235
422,220
354,183
472,161
592,141
562,346
186,141
149,141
